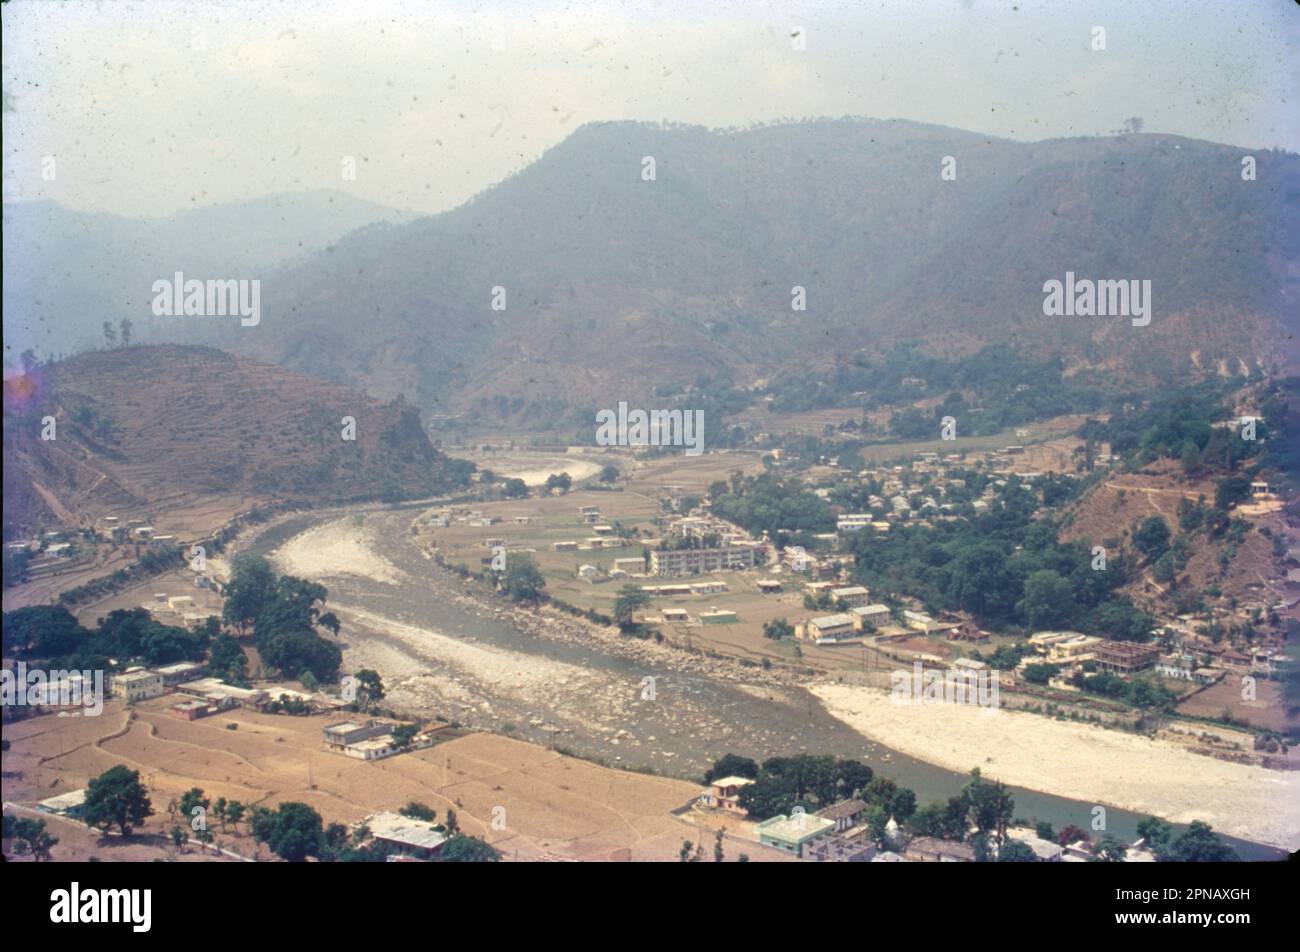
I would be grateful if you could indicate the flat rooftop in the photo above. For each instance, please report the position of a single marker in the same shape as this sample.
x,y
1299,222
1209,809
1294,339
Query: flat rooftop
x,y
401,829
795,829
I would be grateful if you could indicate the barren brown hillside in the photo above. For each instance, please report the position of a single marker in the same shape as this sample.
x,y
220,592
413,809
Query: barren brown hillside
x,y
167,427
1112,510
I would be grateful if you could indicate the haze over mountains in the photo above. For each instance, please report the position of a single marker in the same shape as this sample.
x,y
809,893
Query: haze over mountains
x,y
66,272
615,285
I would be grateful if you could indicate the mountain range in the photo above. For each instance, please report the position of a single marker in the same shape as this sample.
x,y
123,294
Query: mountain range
x,y
618,284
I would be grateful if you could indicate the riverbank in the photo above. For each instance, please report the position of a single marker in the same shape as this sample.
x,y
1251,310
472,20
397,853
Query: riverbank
x,y
449,648
1080,761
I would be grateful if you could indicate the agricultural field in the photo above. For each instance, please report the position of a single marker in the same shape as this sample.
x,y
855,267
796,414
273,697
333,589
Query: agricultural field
x,y
547,805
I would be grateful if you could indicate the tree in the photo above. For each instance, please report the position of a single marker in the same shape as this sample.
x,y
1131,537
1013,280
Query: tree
x,y
515,488
250,590
403,734
227,661
1048,600
560,481
370,687
125,324
717,845
854,777
524,582
630,599
1154,832
1200,844
1071,834
989,805
1040,673
419,811
468,849
928,821
731,765
1120,619
1152,537
778,628
335,837
609,474
904,804
452,824
42,631
1165,570
116,798
300,649
29,837
877,823
766,797
1109,850
1231,491
1013,851
193,798
293,832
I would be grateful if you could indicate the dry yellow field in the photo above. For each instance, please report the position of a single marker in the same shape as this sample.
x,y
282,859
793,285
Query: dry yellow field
x,y
547,805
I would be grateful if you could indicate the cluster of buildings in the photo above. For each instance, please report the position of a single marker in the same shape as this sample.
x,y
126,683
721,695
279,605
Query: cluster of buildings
x,y
857,615
191,611
56,551
606,537
838,833
924,490
61,550
198,697
1071,650
707,545
455,515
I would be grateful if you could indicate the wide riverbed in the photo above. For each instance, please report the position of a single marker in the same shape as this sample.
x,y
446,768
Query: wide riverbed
x,y
442,653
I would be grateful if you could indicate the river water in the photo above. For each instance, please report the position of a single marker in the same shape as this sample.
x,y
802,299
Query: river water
x,y
444,655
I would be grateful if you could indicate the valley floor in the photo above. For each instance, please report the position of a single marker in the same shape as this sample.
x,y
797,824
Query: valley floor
x,y
1067,759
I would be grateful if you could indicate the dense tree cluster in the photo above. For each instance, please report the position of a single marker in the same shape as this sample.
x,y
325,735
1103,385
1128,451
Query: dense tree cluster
x,y
51,633
1005,388
766,503
284,613
1004,567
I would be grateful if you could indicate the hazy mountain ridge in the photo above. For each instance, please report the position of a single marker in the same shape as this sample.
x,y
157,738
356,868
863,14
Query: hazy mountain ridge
x,y
66,272
614,284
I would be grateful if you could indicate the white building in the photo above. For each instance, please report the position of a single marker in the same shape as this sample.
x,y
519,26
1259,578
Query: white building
x,y
137,685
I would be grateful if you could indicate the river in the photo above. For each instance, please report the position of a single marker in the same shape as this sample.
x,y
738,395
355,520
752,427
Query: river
x,y
444,654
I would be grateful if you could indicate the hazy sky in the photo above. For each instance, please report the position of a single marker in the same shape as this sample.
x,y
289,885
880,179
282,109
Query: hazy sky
x,y
149,107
